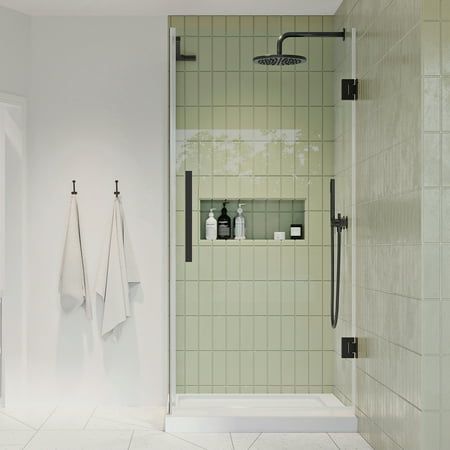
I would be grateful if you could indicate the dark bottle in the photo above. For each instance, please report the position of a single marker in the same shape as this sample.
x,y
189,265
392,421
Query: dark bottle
x,y
224,224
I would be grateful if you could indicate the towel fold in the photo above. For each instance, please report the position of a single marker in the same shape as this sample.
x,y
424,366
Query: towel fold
x,y
73,288
116,273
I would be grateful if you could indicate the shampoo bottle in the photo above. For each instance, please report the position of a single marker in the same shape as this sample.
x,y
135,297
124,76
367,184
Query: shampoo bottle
x,y
224,224
211,226
239,223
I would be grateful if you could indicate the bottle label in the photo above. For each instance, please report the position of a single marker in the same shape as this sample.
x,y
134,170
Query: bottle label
x,y
224,230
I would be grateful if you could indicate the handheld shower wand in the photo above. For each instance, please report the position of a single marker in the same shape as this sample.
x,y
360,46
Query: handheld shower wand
x,y
338,223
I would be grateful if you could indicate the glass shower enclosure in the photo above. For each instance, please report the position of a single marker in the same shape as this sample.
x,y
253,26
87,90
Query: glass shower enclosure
x,y
250,331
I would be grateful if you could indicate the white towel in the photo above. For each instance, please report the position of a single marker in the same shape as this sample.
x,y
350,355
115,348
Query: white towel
x,y
116,272
73,288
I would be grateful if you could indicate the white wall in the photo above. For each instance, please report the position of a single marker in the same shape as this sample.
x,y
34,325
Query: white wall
x,y
14,52
97,111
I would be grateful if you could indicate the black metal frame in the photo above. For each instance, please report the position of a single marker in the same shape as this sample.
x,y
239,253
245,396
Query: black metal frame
x,y
294,34
349,347
188,215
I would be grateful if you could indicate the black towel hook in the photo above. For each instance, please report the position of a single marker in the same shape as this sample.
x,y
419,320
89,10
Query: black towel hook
x,y
74,192
117,193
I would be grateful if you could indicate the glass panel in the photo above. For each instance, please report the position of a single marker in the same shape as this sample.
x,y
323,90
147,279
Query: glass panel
x,y
252,316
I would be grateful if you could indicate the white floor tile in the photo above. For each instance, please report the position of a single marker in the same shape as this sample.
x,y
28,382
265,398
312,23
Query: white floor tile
x,y
15,437
350,441
210,441
69,419
294,441
127,419
32,417
9,423
243,441
145,440
80,440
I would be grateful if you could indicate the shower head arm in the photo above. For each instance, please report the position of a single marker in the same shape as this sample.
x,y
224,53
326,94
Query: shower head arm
x,y
293,34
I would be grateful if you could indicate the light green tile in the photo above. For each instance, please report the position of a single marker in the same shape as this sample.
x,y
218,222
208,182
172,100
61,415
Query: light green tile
x,y
246,299
219,333
205,369
260,368
301,88
246,54
287,187
261,263
192,297
191,25
191,367
287,369
219,53
205,333
233,332
315,332
273,297
260,83
205,26
274,367
246,25
219,263
288,333
301,297
246,332
232,23
315,89
219,25
315,297
205,53
287,263
260,25
315,263
219,368
233,298
288,298
302,120
178,23
181,332
274,25
274,263
247,263
191,323
315,368
315,54
301,263
315,123
205,298
180,355
273,187
273,88
274,119
260,187
219,88
246,368
301,368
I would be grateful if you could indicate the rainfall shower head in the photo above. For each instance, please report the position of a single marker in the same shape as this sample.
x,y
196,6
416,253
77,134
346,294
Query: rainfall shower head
x,y
279,60
288,60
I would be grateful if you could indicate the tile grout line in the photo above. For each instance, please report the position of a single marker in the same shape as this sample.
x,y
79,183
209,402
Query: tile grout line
x,y
40,428
253,443
332,440
131,439
90,417
185,440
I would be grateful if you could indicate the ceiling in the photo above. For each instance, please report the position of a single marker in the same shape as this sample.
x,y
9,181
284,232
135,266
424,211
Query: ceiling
x,y
168,7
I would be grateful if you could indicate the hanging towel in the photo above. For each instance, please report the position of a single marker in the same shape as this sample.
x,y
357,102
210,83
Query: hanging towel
x,y
73,281
117,272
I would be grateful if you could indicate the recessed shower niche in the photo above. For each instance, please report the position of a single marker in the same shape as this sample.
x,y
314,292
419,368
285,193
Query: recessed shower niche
x,y
263,217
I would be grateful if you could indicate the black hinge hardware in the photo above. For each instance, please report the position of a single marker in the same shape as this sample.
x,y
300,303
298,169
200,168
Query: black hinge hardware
x,y
181,57
349,347
349,89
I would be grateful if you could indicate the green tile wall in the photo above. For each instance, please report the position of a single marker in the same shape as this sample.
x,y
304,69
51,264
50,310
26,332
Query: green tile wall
x,y
252,316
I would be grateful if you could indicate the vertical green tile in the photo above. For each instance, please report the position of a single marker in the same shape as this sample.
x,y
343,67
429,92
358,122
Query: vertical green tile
x,y
191,368
302,296
205,368
288,333
246,298
301,368
233,298
288,368
246,332
191,25
260,368
205,26
233,334
315,368
219,368
246,23
274,367
205,53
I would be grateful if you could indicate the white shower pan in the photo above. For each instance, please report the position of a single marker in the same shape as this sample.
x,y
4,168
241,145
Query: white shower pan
x,y
301,413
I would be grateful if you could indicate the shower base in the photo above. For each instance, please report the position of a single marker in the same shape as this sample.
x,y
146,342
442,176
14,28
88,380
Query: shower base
x,y
302,413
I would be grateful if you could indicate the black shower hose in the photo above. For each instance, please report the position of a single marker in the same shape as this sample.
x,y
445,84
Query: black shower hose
x,y
335,302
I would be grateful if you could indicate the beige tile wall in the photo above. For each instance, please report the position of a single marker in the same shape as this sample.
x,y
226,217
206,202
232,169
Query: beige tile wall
x,y
436,225
253,316
388,219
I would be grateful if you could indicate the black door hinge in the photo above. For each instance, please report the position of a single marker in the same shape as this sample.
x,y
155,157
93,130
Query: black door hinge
x,y
181,57
349,347
349,89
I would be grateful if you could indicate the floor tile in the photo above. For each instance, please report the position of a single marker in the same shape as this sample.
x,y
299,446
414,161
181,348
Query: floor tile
x,y
15,437
294,441
210,441
350,441
146,440
9,423
80,440
69,419
32,417
243,441
124,418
